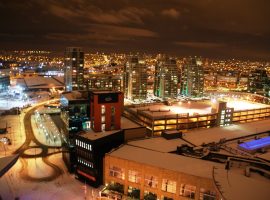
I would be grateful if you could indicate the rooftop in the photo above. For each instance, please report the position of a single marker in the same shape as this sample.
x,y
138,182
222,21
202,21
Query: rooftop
x,y
125,124
197,137
158,144
235,185
200,107
74,95
104,92
40,82
174,162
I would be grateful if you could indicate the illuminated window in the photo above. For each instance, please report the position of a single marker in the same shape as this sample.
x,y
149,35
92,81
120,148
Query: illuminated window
x,y
151,181
168,186
207,194
117,172
134,176
188,191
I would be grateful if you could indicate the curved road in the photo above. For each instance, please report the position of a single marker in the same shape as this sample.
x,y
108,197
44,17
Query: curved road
x,y
28,144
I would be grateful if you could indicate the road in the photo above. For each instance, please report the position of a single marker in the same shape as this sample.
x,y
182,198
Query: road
x,y
43,152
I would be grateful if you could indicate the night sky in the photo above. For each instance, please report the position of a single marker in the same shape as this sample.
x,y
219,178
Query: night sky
x,y
210,28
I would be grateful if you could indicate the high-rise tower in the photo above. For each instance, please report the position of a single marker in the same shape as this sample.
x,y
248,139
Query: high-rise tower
x,y
135,79
259,82
192,79
166,78
74,64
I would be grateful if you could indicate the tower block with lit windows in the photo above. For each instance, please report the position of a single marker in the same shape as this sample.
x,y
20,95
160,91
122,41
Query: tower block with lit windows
x,y
192,78
74,64
135,79
166,77
106,108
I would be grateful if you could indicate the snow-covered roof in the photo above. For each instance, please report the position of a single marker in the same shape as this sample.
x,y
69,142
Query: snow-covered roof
x,y
234,185
158,144
174,162
197,137
125,124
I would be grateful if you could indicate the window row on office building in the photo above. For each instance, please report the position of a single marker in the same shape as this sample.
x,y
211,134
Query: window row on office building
x,y
147,182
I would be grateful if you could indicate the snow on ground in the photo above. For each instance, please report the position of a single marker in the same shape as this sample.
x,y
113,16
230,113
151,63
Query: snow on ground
x,y
15,133
64,187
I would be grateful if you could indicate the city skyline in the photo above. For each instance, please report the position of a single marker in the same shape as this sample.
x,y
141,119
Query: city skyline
x,y
208,28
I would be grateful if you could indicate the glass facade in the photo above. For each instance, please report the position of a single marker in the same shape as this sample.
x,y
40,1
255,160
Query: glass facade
x,y
166,78
135,79
192,79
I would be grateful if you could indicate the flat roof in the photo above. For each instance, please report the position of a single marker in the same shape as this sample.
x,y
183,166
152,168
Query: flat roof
x,y
199,136
158,144
200,107
42,82
174,162
191,107
265,156
73,95
125,124
244,105
235,185
92,135
104,92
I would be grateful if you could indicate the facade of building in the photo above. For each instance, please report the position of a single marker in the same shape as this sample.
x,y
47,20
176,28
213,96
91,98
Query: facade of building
x,y
224,113
135,79
164,121
141,173
104,82
4,83
90,150
259,82
166,78
74,65
106,109
192,78
75,114
158,117
92,121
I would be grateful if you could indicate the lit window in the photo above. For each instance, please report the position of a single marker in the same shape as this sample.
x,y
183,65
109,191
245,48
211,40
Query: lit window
x,y
151,181
188,191
117,172
168,186
134,176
